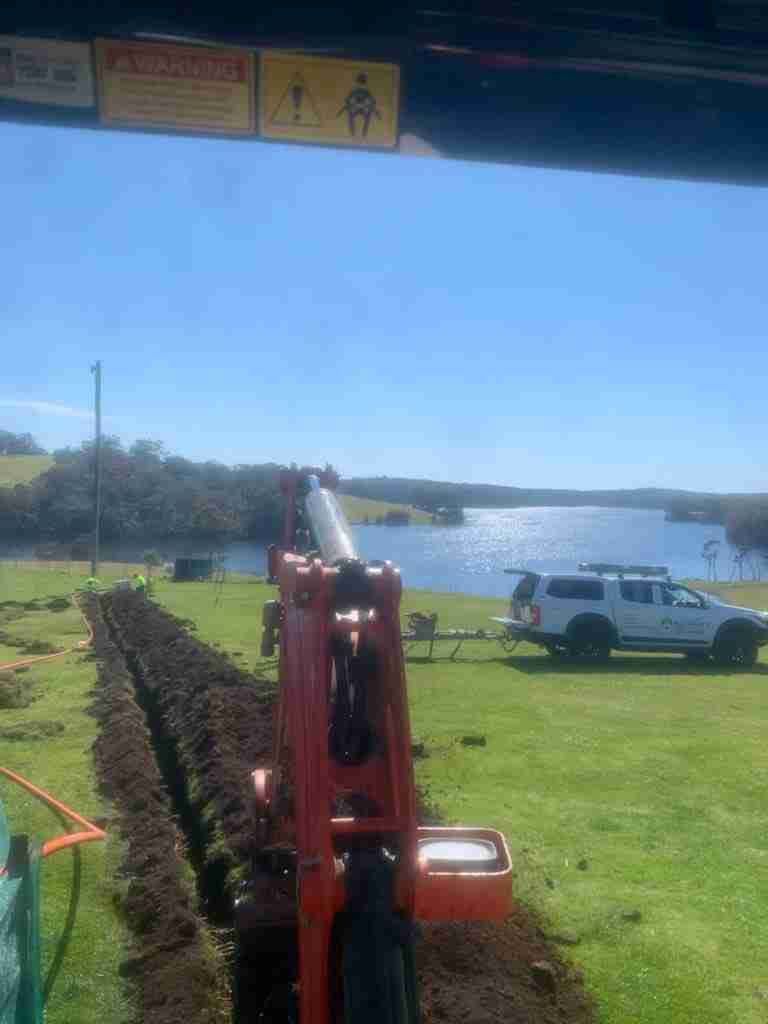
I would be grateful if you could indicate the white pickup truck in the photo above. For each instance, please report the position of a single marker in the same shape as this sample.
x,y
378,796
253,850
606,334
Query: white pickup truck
x,y
589,613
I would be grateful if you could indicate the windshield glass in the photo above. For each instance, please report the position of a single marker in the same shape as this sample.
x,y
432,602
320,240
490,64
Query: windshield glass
x,y
674,594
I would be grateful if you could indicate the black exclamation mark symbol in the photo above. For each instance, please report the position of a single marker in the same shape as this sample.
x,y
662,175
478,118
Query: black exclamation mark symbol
x,y
297,92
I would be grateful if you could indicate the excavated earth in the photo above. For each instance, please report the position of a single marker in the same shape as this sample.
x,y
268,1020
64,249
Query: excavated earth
x,y
181,728
172,968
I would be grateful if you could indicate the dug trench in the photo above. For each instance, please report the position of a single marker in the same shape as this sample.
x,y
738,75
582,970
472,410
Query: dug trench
x,y
205,724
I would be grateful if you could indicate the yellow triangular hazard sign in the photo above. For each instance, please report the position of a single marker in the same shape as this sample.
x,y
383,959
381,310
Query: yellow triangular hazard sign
x,y
296,108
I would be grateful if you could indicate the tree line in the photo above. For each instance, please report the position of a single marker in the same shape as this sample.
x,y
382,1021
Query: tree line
x,y
19,444
435,493
147,494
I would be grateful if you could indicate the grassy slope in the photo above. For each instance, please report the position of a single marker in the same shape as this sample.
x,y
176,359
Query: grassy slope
x,y
652,773
20,469
87,989
358,508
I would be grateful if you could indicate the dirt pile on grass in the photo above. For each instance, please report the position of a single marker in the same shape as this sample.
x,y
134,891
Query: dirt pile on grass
x,y
487,973
175,971
27,646
218,718
15,691
32,732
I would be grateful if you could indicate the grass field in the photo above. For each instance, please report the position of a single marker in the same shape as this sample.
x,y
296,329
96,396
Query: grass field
x,y
632,794
359,509
20,469
82,935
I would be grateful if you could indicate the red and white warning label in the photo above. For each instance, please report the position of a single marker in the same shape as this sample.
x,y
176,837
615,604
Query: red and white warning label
x,y
181,87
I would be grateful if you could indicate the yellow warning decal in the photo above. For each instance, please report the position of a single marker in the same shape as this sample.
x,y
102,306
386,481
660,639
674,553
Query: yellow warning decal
x,y
323,99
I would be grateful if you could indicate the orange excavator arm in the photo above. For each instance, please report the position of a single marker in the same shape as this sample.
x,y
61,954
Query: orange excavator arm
x,y
342,870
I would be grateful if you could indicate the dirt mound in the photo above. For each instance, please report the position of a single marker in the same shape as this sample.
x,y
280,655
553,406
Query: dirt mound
x,y
32,731
505,973
175,971
218,717
14,691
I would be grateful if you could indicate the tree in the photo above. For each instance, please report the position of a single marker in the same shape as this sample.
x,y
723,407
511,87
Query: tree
x,y
148,450
147,495
152,560
19,444
709,553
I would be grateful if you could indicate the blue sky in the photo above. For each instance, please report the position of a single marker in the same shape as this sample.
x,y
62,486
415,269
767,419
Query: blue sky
x,y
392,315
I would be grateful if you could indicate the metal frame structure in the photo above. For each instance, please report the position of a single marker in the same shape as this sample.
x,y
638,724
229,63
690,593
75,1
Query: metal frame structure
x,y
672,88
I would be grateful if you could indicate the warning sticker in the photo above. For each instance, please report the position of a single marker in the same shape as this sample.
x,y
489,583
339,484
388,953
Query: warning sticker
x,y
181,87
323,99
46,71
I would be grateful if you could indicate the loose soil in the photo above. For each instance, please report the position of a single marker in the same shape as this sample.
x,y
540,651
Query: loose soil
x,y
174,969
214,720
211,724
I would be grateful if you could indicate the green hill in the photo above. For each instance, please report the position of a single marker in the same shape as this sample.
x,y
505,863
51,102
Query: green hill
x,y
20,469
360,509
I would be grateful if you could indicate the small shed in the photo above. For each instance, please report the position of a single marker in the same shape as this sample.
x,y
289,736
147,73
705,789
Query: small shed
x,y
185,569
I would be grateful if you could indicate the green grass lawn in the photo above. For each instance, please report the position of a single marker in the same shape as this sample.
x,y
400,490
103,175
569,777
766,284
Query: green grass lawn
x,y
21,469
358,509
83,939
632,794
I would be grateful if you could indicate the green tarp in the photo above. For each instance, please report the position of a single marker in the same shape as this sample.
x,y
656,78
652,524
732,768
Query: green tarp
x,y
20,993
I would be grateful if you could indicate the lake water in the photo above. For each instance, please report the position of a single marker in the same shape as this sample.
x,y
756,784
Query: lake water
x,y
471,558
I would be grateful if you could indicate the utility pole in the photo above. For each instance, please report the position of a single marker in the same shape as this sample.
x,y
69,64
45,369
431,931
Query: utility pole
x,y
96,371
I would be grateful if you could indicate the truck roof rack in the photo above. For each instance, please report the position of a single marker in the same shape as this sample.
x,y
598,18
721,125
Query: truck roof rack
x,y
519,572
608,568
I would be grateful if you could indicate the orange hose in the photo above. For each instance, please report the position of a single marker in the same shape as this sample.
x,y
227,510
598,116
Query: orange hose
x,y
81,644
61,842
71,839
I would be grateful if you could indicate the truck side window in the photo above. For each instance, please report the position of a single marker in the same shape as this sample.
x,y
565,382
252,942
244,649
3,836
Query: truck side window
x,y
637,591
576,589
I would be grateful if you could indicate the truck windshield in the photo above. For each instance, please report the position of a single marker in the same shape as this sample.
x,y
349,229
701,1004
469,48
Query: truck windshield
x,y
680,597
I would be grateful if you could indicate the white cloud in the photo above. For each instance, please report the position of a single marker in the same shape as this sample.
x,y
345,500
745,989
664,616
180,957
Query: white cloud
x,y
47,408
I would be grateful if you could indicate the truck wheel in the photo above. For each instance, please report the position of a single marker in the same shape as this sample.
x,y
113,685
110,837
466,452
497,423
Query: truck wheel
x,y
590,641
736,647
